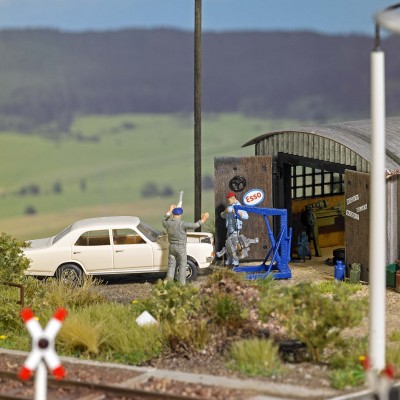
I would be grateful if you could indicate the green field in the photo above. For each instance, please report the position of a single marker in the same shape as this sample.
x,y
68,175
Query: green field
x,y
102,168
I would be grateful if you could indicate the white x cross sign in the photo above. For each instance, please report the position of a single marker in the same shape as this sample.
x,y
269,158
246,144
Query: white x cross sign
x,y
42,344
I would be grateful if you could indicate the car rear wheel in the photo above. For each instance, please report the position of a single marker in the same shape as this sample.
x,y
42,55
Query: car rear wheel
x,y
69,273
191,271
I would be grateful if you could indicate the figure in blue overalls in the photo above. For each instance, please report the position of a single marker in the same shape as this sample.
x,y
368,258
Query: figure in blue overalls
x,y
233,222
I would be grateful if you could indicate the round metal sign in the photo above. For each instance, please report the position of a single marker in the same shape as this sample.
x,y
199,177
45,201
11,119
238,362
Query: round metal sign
x,y
237,183
253,197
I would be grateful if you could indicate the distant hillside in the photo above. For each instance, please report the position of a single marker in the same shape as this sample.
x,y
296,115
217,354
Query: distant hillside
x,y
48,75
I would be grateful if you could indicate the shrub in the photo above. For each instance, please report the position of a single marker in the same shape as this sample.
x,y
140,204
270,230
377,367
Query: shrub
x,y
347,353
150,189
186,336
9,310
255,357
226,309
312,317
173,302
13,263
227,299
349,376
30,210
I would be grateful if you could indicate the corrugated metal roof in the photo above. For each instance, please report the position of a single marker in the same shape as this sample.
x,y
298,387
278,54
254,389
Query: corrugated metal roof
x,y
344,143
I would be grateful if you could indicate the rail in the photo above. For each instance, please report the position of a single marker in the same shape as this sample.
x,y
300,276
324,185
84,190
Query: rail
x,y
80,390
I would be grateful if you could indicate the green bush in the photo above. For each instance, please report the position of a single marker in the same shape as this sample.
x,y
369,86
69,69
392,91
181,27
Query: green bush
x,y
312,317
347,352
9,310
173,302
226,309
347,377
255,357
13,263
186,336
12,266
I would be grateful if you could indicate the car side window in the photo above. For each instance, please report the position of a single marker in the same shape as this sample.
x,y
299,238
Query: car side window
x,y
94,238
126,236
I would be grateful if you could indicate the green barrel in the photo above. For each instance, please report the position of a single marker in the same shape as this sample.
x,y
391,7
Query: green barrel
x,y
355,273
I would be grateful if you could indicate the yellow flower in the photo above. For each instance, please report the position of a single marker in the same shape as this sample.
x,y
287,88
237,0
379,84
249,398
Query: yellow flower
x,y
134,302
2,337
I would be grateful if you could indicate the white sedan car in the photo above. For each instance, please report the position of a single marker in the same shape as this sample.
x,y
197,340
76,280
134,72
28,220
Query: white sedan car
x,y
112,245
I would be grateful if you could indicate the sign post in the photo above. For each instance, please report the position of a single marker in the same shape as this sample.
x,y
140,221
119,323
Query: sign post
x,y
42,351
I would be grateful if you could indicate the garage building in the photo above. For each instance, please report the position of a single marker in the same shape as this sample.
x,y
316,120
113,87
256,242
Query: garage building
x,y
320,174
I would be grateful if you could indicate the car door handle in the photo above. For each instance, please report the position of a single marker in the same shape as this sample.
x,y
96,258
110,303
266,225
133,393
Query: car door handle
x,y
77,252
118,251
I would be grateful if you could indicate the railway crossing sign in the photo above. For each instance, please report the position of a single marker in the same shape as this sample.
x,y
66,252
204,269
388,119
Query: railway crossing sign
x,y
42,350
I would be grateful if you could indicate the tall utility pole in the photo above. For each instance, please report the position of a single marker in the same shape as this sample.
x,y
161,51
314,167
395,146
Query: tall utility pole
x,y
197,111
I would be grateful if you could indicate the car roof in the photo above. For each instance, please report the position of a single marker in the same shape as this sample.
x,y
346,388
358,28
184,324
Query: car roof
x,y
107,222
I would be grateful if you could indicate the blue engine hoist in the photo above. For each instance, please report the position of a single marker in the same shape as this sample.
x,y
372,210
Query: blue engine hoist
x,y
279,253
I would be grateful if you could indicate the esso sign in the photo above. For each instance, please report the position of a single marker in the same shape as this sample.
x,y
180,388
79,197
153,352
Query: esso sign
x,y
253,197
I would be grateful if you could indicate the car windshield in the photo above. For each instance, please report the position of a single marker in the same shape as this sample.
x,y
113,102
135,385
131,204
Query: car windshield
x,y
151,233
61,234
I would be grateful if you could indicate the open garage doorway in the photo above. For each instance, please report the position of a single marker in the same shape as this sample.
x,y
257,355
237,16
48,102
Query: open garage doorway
x,y
313,193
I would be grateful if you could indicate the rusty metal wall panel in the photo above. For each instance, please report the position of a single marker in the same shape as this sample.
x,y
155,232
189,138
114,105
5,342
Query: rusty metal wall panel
x,y
357,220
258,174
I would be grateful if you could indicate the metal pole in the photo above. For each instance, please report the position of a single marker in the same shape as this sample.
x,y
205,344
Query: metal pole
x,y
41,382
197,111
377,230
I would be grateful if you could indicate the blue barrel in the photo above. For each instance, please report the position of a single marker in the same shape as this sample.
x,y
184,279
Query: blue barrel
x,y
339,270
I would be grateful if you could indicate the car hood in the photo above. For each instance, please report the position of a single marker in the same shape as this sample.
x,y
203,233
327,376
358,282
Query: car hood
x,y
39,243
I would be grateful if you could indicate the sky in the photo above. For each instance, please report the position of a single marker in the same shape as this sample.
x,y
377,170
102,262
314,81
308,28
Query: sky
x,y
325,16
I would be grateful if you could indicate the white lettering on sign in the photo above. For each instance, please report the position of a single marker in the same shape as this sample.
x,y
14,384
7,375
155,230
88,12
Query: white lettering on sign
x,y
352,214
362,208
352,199
253,197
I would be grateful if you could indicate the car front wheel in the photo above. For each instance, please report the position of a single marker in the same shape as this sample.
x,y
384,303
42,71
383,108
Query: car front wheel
x,y
191,271
69,273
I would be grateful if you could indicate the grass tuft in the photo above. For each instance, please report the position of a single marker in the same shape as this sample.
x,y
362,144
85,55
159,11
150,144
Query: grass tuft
x,y
330,287
256,357
109,331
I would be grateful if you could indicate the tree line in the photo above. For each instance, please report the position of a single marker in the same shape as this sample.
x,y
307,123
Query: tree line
x,y
49,76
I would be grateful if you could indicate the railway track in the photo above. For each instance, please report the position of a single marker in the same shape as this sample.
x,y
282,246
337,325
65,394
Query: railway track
x,y
11,388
